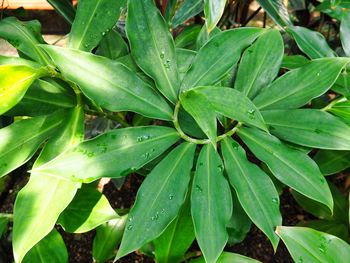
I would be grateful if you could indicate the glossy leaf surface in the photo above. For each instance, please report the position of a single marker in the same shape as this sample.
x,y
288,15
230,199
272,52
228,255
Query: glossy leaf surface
x,y
331,162
297,87
210,214
94,19
266,55
64,8
277,11
109,83
159,199
345,32
113,154
152,46
215,59
14,82
188,9
88,209
308,127
308,245
255,190
213,10
291,167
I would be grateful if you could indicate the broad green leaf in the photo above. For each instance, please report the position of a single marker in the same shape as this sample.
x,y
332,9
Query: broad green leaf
x,y
342,110
36,211
342,85
308,127
255,190
64,8
159,199
266,55
94,19
4,60
112,46
189,125
198,106
345,32
24,37
330,227
204,36
187,38
109,83
277,11
312,43
210,214
293,62
239,224
331,162
213,10
49,249
43,97
88,209
186,10
184,58
14,82
4,220
232,104
340,211
15,150
292,167
297,87
172,244
227,257
107,238
152,46
215,59
113,154
308,245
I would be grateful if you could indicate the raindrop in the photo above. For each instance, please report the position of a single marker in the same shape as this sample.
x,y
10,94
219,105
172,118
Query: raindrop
x,y
103,33
91,154
198,188
155,217
221,167
200,164
235,145
275,200
86,45
129,227
139,139
318,73
171,197
146,155
162,54
130,219
318,131
251,113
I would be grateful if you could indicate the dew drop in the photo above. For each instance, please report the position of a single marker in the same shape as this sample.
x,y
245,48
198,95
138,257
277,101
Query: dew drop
x,y
162,54
234,145
275,200
171,197
221,167
103,33
200,164
318,131
146,155
199,189
251,114
155,217
129,227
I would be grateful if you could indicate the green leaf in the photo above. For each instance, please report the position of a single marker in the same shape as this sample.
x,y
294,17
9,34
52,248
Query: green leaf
x,y
37,208
94,19
43,97
186,10
266,55
332,162
64,8
110,84
297,87
113,154
293,62
184,58
107,238
210,214
25,37
215,59
159,199
4,60
232,104
203,36
4,220
213,10
112,46
330,227
227,257
308,127
14,82
292,167
342,110
277,11
152,46
15,150
88,209
345,32
49,249
198,106
187,37
172,244
308,245
312,43
255,190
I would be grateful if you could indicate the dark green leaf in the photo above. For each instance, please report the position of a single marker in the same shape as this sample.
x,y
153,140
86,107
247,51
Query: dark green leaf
x,y
184,58
342,110
291,167
215,59
297,87
113,154
254,188
331,162
152,46
308,127
308,245
187,38
330,227
4,220
188,9
293,62
64,8
109,83
159,199
113,46
94,19
277,11
266,55
210,214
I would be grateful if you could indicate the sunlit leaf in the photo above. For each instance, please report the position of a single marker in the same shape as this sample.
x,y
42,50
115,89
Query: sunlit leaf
x,y
213,10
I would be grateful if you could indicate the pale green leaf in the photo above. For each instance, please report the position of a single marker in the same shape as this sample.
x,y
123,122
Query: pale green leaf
x,y
345,32
213,10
